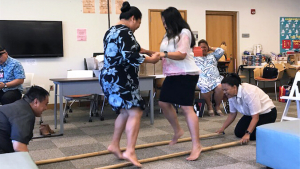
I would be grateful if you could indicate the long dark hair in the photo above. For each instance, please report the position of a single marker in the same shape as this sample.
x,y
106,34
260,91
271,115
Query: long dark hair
x,y
129,11
175,23
232,79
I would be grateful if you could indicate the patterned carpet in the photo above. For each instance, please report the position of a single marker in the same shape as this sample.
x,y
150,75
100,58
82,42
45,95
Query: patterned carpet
x,y
81,136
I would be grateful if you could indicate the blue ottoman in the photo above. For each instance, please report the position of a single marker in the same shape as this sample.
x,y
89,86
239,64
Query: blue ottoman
x,y
278,145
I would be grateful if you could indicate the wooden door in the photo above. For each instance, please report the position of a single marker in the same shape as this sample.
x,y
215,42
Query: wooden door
x,y
156,33
221,26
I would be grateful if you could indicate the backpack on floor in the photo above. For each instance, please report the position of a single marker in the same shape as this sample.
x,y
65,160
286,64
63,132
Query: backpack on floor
x,y
199,107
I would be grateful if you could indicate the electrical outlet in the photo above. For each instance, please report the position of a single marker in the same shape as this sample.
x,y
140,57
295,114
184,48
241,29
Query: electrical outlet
x,y
51,87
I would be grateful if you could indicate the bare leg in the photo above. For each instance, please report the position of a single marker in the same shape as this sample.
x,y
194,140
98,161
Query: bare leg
x,y
207,98
132,131
193,124
170,114
120,123
218,96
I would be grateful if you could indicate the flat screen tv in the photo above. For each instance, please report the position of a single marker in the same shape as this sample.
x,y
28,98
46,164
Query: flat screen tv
x,y
29,39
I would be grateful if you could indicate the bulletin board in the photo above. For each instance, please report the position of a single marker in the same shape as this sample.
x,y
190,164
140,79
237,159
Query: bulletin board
x,y
289,33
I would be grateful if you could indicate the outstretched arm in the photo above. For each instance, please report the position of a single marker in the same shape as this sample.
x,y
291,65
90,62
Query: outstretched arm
x,y
147,52
230,118
173,55
153,59
245,139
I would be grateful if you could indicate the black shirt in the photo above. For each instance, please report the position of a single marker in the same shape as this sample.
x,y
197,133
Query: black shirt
x,y
16,123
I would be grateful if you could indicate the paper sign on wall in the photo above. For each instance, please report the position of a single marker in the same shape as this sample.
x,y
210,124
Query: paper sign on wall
x,y
118,4
103,7
88,6
81,34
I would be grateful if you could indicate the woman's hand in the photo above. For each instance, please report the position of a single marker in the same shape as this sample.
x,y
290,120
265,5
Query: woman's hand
x,y
155,57
220,131
161,55
245,139
147,52
211,48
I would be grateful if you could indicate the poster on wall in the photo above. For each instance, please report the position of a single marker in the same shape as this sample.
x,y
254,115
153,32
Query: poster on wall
x,y
103,7
118,6
81,34
289,33
88,6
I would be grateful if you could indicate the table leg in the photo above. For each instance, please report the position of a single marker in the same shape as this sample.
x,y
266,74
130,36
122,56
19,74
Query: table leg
x,y
298,108
151,107
61,116
249,70
55,106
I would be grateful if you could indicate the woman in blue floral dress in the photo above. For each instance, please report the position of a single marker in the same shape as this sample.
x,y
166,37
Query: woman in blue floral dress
x,y
210,79
119,79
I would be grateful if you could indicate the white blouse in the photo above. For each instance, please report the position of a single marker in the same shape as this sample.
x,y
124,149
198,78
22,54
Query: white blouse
x,y
250,100
183,45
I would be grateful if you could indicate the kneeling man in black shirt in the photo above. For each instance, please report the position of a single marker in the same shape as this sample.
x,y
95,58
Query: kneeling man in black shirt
x,y
17,119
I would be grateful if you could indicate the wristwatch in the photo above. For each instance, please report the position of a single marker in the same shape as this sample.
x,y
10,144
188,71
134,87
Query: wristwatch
x,y
248,132
166,54
5,85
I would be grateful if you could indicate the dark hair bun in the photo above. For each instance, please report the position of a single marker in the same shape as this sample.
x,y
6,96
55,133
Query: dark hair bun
x,y
125,7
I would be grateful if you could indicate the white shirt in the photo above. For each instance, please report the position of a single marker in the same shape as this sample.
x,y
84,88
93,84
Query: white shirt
x,y
181,43
250,100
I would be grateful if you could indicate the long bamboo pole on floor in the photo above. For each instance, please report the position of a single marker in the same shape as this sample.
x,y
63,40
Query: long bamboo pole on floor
x,y
218,146
122,149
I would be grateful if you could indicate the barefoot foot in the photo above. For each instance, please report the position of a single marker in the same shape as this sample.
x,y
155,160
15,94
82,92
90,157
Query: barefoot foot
x,y
132,158
116,151
195,153
176,137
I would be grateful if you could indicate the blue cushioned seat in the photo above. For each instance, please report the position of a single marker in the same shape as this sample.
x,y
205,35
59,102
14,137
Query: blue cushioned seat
x,y
278,145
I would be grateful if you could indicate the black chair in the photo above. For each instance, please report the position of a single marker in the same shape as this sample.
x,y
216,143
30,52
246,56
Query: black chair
x,y
96,54
241,68
92,64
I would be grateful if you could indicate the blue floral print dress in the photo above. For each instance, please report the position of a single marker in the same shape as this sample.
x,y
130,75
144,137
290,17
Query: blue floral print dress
x,y
209,78
119,76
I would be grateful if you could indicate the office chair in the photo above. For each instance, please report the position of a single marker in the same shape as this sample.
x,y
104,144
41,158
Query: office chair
x,y
96,64
72,98
27,82
258,76
241,68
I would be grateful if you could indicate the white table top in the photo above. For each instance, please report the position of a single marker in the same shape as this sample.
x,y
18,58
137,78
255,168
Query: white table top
x,y
252,67
158,76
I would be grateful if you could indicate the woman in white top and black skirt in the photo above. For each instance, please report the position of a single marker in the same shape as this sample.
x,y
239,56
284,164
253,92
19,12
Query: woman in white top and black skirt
x,y
252,102
182,75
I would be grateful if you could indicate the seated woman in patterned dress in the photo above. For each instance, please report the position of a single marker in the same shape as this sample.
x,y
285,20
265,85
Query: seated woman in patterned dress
x,y
119,79
210,79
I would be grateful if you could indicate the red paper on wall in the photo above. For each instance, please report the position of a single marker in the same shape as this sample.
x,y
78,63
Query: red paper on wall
x,y
296,44
286,44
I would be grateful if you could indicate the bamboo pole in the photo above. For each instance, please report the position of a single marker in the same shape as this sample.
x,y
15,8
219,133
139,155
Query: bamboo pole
x,y
122,149
218,146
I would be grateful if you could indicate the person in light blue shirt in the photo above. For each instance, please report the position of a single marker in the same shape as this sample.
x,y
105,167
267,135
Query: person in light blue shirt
x,y
12,76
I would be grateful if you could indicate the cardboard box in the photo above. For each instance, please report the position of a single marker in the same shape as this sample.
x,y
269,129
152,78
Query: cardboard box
x,y
293,58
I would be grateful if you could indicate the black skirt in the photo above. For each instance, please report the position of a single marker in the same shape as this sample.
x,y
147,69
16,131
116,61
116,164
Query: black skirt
x,y
179,89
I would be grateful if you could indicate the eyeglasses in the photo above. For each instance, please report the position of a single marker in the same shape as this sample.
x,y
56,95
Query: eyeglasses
x,y
2,53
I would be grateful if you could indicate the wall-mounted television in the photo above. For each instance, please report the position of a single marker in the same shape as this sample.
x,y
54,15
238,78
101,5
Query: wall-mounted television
x,y
30,39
